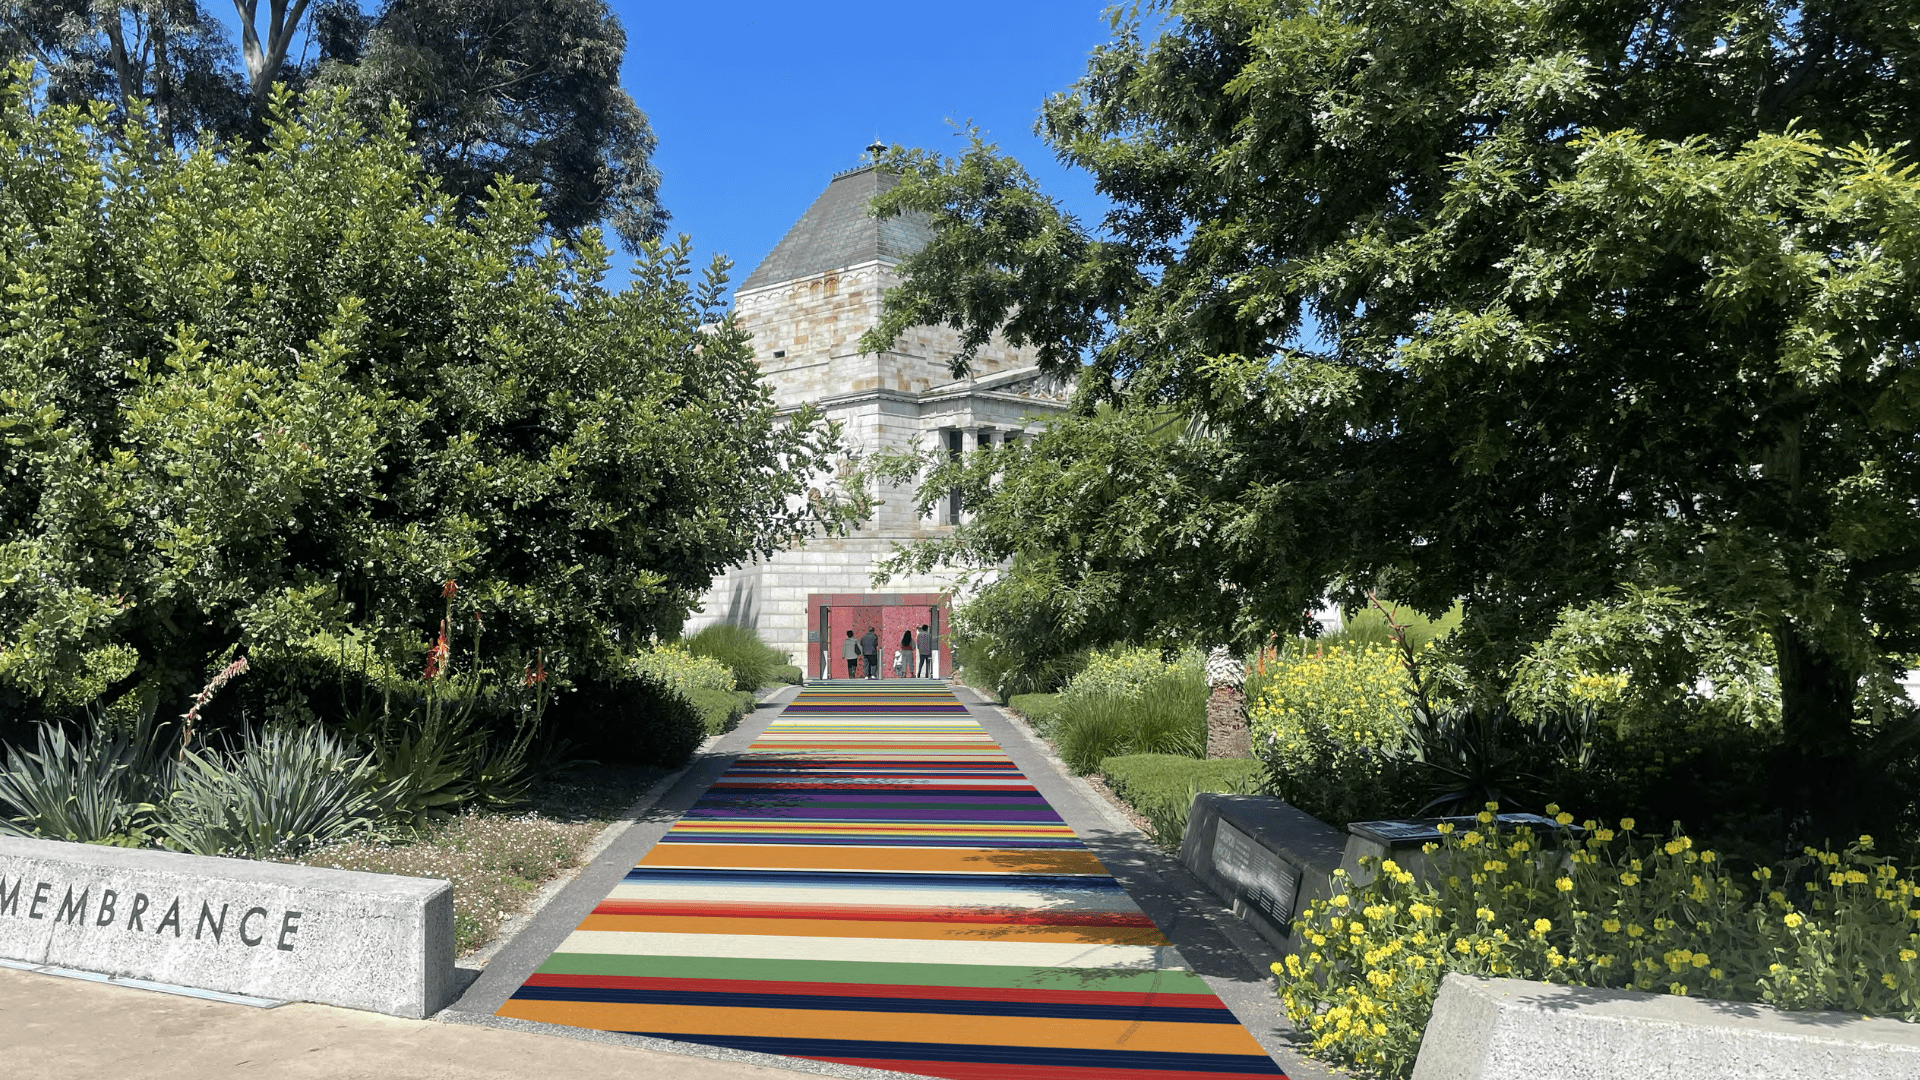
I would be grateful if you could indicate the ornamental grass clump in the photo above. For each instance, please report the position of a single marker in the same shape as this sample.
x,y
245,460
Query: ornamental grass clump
x,y
754,663
1598,907
1165,714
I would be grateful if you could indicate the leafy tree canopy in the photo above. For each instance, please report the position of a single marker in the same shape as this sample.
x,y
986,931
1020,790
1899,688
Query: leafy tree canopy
x,y
271,401
1504,301
528,89
531,90
171,53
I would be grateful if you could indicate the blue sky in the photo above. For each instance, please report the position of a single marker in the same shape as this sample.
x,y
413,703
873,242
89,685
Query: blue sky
x,y
756,105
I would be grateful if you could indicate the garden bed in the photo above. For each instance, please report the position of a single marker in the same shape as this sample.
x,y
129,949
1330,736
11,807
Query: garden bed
x,y
498,862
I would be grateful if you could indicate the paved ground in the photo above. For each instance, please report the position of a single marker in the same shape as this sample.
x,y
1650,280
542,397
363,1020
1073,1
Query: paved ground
x,y
64,1029
875,884
52,1028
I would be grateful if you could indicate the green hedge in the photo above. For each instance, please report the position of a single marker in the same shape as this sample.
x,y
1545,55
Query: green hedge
x,y
638,720
1041,710
722,710
1162,786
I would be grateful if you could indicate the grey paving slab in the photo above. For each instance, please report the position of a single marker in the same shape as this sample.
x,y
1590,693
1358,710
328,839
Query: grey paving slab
x,y
64,1029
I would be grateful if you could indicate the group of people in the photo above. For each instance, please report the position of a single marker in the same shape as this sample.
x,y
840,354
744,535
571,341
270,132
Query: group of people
x,y
863,654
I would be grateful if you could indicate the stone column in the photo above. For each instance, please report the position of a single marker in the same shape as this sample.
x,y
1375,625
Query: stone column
x,y
1227,733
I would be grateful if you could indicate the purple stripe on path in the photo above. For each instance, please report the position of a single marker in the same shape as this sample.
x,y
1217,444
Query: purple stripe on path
x,y
882,814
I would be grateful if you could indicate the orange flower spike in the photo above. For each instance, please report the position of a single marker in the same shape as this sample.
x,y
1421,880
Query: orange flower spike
x,y
448,588
437,655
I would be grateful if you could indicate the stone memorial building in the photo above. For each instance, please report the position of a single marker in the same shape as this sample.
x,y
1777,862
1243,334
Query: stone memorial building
x,y
806,305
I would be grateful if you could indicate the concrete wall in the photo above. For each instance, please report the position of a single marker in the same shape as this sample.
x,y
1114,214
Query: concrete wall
x,y
298,933
1512,1029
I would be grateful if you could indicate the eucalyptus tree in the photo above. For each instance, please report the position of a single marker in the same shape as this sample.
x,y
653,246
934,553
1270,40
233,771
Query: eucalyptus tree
x,y
525,89
170,53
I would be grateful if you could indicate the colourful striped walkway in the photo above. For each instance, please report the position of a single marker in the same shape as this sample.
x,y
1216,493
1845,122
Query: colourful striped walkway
x,y
874,883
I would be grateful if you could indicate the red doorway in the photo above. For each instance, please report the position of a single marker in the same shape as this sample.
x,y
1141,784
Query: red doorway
x,y
831,615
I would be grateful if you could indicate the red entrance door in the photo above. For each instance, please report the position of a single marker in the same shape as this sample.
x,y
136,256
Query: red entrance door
x,y
857,619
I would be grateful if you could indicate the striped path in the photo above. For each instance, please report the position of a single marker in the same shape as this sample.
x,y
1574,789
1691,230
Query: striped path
x,y
874,883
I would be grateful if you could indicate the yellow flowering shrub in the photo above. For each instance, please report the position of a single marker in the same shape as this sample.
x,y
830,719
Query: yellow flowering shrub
x,y
1604,907
679,669
1125,670
1329,724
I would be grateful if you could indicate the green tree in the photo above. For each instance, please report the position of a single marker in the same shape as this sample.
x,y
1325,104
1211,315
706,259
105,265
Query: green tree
x,y
1510,302
271,401
526,89
170,53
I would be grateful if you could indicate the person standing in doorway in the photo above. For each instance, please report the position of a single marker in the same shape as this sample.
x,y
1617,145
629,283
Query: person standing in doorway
x,y
903,656
850,652
926,652
870,653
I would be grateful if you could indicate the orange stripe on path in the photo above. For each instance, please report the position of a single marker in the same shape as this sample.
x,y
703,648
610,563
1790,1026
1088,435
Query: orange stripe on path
x,y
695,1020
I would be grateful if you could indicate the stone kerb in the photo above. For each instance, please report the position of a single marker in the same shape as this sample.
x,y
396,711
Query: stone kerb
x,y
1512,1029
296,933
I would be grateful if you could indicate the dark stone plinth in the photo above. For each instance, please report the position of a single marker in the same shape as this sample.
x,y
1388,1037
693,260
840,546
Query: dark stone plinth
x,y
1405,841
1264,858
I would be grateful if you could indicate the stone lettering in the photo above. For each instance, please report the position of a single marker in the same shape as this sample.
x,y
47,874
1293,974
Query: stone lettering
x,y
251,912
172,919
206,920
256,924
69,909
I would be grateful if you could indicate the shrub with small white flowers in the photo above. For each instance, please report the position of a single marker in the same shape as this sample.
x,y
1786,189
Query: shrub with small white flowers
x,y
495,862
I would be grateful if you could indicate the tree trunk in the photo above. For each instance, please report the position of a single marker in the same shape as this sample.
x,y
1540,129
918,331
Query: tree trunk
x,y
162,75
1227,733
1817,778
1816,694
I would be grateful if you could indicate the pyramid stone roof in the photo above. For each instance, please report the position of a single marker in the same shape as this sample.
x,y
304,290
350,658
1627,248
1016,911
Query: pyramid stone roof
x,y
837,232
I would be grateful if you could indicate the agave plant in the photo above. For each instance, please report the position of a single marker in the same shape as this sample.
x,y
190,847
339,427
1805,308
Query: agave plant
x,y
102,786
1475,753
278,793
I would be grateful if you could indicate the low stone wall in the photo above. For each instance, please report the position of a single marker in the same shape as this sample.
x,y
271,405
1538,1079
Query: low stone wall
x,y
1511,1029
297,933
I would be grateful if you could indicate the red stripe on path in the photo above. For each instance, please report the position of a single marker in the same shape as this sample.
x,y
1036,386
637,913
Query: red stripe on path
x,y
969,1070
